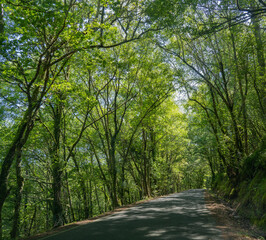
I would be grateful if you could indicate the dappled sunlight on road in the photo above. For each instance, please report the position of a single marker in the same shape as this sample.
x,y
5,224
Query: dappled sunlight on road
x,y
179,216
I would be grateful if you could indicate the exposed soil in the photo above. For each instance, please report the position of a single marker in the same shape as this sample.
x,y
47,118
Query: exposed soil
x,y
229,222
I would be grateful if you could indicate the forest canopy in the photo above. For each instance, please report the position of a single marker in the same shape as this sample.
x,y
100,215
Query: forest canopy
x,y
106,102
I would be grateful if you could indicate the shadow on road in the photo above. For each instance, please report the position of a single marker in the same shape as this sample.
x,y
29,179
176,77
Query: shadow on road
x,y
180,216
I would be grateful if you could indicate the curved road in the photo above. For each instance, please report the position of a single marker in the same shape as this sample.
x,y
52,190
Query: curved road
x,y
179,216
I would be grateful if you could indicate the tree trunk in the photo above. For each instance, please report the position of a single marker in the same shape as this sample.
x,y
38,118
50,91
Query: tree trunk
x,y
19,141
90,199
69,199
261,62
122,185
97,199
20,182
85,198
105,199
113,173
58,218
2,24
32,220
146,166
243,94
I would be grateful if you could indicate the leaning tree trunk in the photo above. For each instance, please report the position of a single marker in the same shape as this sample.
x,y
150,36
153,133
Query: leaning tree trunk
x,y
20,182
261,62
21,137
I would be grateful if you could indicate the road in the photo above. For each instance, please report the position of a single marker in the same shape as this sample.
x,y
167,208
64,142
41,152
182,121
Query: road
x,y
179,216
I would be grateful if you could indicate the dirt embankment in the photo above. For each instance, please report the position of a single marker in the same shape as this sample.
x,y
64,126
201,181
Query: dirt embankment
x,y
232,225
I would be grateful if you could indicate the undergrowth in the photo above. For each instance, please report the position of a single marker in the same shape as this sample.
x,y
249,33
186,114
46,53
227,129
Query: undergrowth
x,y
249,195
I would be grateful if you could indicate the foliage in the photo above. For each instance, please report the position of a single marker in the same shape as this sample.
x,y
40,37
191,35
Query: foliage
x,y
106,102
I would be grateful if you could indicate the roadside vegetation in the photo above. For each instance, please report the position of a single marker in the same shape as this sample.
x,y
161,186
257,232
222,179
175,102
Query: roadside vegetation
x,y
107,102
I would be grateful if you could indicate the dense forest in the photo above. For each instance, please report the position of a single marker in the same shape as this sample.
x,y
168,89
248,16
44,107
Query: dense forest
x,y
106,102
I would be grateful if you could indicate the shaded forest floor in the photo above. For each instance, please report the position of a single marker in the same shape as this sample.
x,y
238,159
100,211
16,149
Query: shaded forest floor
x,y
229,222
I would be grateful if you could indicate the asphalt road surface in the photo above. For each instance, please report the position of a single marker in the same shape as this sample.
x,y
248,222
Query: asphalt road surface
x,y
179,216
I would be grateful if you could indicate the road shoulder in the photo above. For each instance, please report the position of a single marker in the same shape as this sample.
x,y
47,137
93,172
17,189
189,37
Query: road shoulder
x,y
227,220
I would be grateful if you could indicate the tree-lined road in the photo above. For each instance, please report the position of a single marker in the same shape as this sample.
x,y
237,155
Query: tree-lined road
x,y
179,216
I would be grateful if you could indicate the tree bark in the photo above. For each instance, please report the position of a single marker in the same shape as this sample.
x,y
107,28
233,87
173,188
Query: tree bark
x,y
261,62
113,172
21,137
57,171
2,23
20,182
